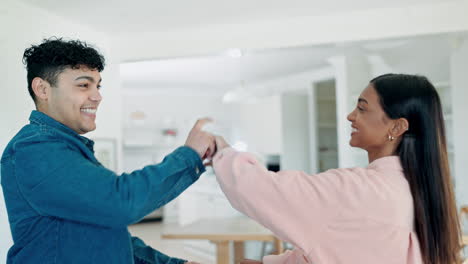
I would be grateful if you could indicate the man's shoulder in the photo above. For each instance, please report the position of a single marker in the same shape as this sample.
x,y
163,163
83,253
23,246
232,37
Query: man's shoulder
x,y
28,135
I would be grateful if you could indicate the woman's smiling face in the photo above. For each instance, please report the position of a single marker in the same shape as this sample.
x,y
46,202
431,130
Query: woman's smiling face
x,y
370,124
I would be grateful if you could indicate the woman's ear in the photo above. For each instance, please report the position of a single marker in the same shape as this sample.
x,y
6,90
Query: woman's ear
x,y
400,126
41,88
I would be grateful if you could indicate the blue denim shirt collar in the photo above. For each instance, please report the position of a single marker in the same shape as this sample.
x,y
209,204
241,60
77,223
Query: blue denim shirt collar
x,y
44,120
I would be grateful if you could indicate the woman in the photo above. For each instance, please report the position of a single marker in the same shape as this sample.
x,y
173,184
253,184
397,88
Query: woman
x,y
399,209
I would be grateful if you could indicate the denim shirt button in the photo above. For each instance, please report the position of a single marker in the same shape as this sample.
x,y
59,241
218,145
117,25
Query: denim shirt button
x,y
197,170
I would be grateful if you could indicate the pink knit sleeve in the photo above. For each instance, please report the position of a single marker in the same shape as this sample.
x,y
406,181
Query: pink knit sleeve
x,y
283,202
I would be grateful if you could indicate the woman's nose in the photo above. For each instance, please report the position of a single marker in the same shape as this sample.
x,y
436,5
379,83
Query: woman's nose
x,y
350,116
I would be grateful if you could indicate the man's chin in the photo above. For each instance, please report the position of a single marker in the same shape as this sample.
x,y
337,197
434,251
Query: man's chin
x,y
88,129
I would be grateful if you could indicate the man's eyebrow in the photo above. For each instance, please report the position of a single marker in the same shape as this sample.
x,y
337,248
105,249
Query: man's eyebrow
x,y
89,78
362,100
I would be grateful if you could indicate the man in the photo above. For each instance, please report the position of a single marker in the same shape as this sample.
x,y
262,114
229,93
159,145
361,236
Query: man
x,y
63,205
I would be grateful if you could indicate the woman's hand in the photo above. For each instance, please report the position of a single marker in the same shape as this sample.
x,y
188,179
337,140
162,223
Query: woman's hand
x,y
200,141
221,143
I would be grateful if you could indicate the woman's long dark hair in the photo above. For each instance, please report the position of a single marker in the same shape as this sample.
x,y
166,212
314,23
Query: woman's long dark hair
x,y
423,155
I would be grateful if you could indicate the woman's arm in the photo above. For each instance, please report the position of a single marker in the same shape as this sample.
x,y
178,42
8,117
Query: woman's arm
x,y
292,204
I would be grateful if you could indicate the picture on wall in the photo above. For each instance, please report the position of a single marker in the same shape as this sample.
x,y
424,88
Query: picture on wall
x,y
105,150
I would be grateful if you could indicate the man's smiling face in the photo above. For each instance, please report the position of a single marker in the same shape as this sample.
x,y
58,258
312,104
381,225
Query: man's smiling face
x,y
75,99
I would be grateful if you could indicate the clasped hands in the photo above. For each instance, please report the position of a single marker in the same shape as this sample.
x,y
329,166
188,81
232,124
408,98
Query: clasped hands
x,y
245,261
203,142
206,145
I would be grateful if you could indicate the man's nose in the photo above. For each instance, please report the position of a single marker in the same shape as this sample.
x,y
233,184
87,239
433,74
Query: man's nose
x,y
96,96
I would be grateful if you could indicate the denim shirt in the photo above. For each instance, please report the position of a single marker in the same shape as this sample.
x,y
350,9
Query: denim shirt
x,y
65,207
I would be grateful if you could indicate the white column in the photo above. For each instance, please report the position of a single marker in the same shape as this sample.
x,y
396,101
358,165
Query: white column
x,y
295,132
313,129
352,73
458,70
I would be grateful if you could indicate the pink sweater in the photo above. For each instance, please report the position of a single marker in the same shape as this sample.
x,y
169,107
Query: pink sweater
x,y
358,215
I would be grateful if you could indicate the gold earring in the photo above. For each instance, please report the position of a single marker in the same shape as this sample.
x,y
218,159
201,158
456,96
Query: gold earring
x,y
390,138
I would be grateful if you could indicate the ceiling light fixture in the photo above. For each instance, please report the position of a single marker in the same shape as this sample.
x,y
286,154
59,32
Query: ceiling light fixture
x,y
234,53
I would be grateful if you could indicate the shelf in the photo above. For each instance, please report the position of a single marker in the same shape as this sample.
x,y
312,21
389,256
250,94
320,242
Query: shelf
x,y
140,145
139,127
137,145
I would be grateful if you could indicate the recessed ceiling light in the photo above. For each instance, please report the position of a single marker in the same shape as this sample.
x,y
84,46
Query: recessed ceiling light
x,y
234,53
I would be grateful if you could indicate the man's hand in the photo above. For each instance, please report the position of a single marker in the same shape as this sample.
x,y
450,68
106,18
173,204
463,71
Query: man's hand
x,y
202,142
248,261
221,143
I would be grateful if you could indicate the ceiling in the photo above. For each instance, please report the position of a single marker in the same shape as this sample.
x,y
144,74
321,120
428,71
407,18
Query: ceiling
x,y
427,55
222,70
111,17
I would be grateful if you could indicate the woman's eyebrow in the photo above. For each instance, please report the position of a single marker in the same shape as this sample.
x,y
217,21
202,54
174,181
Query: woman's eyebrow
x,y
362,100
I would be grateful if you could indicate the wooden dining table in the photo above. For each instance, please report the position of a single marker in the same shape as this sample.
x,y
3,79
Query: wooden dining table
x,y
222,232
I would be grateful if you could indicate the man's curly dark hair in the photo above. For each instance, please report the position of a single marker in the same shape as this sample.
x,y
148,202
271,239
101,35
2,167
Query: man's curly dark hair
x,y
50,58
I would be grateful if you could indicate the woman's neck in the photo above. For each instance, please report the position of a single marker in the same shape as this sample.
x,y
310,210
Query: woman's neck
x,y
377,154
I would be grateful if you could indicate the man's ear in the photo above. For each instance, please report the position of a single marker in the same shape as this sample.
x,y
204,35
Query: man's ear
x,y
41,88
400,126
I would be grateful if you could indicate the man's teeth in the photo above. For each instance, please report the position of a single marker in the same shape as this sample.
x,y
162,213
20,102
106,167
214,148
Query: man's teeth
x,y
89,110
354,129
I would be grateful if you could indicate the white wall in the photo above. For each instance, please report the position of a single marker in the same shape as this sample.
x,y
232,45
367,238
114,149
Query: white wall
x,y
458,69
180,111
22,26
256,124
260,125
